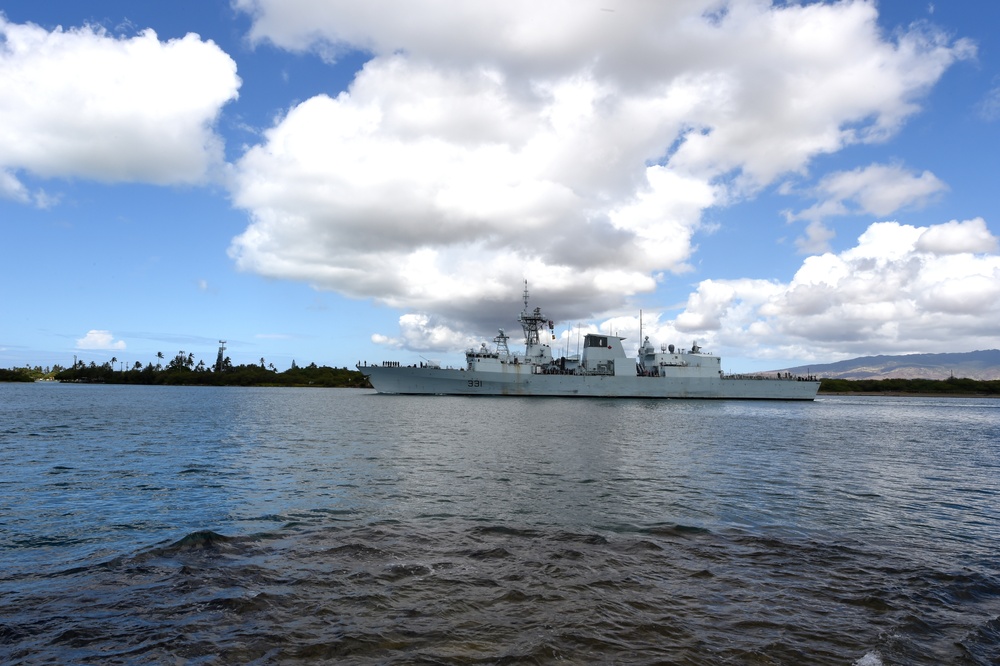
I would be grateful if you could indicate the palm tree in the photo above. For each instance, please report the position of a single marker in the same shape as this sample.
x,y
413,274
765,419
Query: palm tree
x,y
114,359
159,357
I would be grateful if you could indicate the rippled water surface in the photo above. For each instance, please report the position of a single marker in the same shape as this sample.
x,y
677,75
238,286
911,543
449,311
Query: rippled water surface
x,y
233,525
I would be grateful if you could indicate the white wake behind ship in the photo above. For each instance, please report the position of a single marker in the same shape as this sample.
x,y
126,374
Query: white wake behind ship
x,y
603,370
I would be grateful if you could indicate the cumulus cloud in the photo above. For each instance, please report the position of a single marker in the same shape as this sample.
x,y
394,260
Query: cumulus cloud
x,y
82,103
97,339
878,190
971,236
900,289
424,332
487,142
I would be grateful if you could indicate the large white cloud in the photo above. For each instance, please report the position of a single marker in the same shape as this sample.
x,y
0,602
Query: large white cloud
x,y
575,143
900,289
83,103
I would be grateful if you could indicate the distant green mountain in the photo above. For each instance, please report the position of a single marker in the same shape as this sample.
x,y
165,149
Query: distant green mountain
x,y
981,365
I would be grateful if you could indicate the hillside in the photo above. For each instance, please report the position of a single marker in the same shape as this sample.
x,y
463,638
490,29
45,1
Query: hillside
x,y
981,365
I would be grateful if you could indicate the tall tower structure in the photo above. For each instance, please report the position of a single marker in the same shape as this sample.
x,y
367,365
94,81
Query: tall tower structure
x,y
222,355
533,323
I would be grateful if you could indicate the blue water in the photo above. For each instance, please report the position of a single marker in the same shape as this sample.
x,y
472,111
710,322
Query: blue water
x,y
245,525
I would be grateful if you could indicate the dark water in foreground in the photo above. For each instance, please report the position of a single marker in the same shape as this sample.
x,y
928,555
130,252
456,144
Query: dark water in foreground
x,y
230,526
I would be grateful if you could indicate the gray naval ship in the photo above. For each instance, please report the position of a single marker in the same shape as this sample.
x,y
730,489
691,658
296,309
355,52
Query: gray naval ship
x,y
603,370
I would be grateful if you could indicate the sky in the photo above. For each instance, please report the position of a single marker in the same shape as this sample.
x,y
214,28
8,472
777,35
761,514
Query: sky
x,y
326,181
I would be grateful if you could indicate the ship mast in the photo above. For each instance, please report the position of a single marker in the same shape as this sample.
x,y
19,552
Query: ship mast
x,y
501,341
532,322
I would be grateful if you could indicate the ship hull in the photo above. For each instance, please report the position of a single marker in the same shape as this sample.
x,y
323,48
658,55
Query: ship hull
x,y
518,382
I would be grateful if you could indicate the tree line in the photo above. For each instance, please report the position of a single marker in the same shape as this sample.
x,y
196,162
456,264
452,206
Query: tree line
x,y
182,370
950,386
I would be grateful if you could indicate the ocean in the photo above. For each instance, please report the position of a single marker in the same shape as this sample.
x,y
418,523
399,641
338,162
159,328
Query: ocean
x,y
224,525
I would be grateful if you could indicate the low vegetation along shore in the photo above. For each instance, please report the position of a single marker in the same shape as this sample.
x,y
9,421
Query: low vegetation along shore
x,y
955,386
182,371
190,375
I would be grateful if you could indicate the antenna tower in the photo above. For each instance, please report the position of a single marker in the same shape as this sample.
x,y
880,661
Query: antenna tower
x,y
533,322
220,359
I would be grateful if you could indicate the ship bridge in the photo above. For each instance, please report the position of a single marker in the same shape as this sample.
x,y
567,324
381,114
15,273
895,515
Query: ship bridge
x,y
605,355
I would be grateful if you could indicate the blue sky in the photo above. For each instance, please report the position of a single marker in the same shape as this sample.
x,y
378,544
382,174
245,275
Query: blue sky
x,y
320,181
